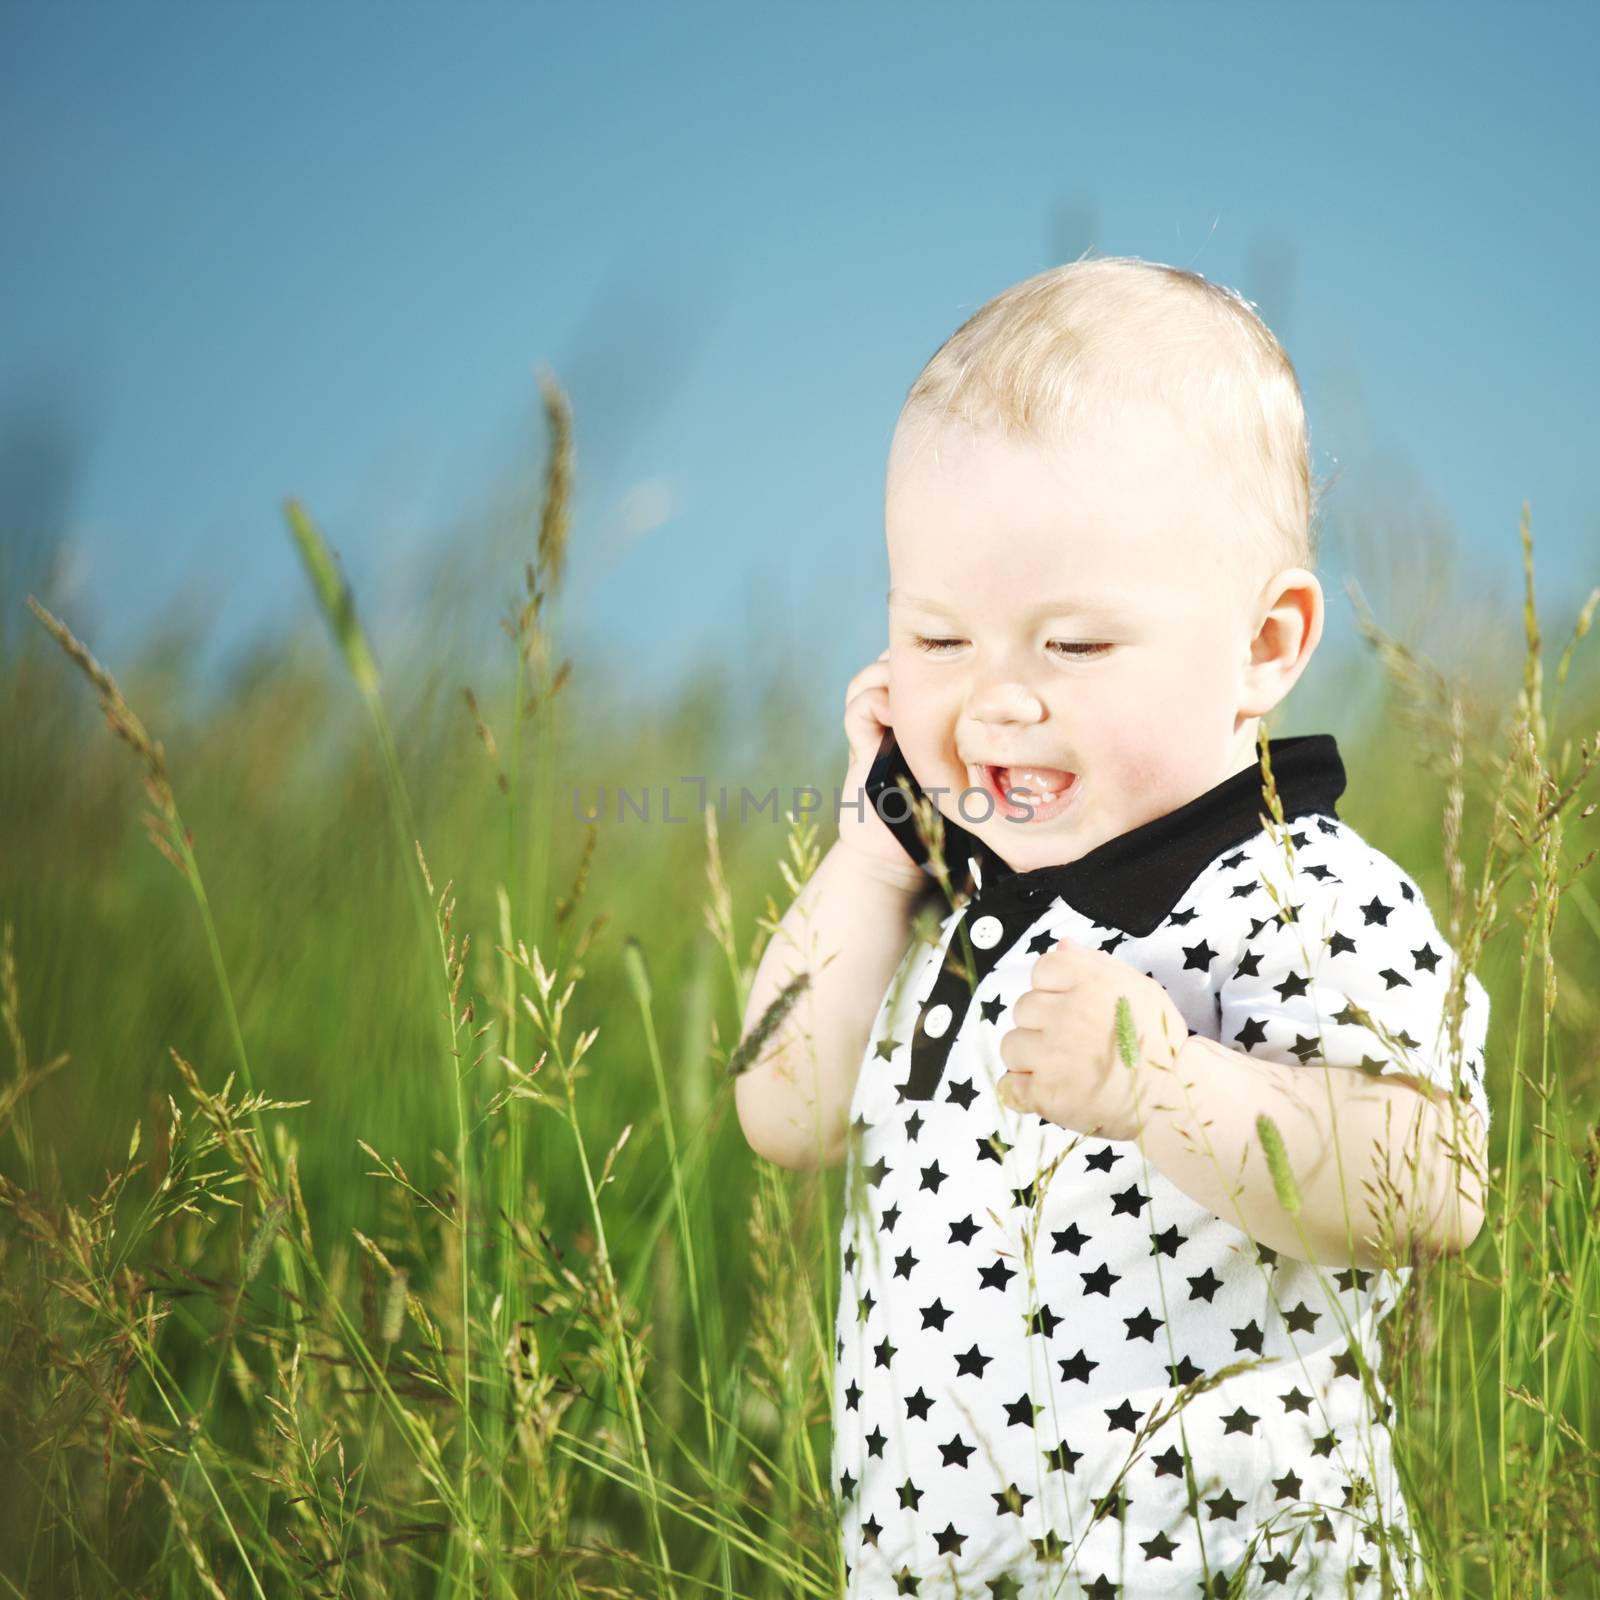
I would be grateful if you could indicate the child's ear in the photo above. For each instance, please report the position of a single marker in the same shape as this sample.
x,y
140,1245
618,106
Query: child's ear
x,y
1291,613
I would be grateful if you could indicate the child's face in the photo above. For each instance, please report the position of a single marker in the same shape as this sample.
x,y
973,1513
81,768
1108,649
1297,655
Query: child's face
x,y
1139,694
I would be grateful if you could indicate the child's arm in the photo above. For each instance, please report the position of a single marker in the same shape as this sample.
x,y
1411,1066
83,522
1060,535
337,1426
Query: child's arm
x,y
1358,977
1355,1144
848,927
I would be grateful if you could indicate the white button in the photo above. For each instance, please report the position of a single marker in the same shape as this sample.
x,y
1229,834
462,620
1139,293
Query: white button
x,y
986,932
936,1022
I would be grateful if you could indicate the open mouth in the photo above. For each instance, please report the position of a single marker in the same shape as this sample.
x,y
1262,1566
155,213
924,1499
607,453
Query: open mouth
x,y
1040,792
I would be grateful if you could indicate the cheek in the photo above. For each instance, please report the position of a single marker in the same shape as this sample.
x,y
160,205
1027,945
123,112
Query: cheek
x,y
922,719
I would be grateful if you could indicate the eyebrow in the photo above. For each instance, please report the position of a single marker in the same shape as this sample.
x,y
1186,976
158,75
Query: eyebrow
x,y
1047,608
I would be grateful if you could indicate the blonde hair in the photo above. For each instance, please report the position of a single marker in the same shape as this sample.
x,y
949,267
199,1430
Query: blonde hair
x,y
1097,334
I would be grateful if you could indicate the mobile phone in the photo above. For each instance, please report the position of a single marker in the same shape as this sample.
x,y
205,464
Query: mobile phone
x,y
888,767
961,848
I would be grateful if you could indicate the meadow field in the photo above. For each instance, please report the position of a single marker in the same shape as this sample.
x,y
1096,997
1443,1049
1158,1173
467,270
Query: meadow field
x,y
374,1220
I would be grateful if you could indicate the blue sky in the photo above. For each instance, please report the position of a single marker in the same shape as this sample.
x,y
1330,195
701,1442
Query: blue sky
x,y
255,251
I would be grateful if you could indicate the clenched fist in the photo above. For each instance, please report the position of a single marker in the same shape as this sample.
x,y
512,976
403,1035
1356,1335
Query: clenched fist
x,y
1062,1056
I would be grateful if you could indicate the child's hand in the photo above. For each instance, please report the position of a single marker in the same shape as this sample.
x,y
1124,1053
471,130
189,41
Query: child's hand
x,y
866,837
1061,1056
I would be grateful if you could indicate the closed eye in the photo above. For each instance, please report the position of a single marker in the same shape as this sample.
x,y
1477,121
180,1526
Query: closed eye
x,y
1063,647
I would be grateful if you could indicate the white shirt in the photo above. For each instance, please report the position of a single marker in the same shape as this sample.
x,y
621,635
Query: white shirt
x,y
1020,1302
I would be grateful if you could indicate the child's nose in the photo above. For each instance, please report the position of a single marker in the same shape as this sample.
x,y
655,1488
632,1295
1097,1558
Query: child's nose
x,y
1005,700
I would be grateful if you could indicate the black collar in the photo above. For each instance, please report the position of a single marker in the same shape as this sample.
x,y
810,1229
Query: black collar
x,y
1133,881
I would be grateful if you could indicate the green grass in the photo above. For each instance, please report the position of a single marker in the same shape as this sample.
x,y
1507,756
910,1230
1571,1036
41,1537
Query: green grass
x,y
373,1220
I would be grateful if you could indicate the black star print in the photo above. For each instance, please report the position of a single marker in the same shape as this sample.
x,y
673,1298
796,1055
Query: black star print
x,y
1274,1000
1005,1587
1124,1416
1143,1326
1251,1034
1102,1588
962,1094
910,1494
1247,1338
1239,1421
904,1583
1226,1507
1301,1319
1159,1548
973,1361
1010,1501
964,1231
847,1486
1100,1280
864,1308
1166,1242
1078,1366
996,1275
1292,985
1184,1371
1044,1321
1276,1569
1020,1412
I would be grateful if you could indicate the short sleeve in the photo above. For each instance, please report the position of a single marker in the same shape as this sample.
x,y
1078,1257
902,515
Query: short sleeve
x,y
1348,967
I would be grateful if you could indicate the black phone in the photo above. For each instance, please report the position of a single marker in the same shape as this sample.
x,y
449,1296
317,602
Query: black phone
x,y
961,848
888,767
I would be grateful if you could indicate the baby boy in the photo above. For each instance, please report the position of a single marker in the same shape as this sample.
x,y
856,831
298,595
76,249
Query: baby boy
x,y
1138,1147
